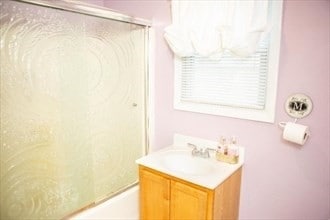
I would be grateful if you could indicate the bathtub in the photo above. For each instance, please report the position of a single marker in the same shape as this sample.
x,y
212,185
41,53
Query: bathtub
x,y
124,206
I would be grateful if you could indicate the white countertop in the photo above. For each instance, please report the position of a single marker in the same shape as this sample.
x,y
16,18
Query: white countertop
x,y
218,173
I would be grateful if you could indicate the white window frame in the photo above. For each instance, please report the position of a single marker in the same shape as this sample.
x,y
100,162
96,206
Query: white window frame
x,y
265,115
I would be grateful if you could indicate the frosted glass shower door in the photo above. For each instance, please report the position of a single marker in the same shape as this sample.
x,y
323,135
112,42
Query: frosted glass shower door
x,y
73,115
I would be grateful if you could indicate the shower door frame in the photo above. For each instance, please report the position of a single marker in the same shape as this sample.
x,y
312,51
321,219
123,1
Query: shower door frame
x,y
107,13
103,12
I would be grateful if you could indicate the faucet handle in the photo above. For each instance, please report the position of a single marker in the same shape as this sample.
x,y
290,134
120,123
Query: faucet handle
x,y
192,145
194,151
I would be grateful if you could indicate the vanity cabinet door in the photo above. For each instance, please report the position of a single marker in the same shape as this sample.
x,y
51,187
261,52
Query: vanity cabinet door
x,y
163,197
188,202
154,196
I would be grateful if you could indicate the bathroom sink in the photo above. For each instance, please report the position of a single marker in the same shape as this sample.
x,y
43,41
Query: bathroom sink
x,y
177,161
184,162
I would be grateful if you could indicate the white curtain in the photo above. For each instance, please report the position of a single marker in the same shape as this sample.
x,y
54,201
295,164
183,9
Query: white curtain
x,y
209,28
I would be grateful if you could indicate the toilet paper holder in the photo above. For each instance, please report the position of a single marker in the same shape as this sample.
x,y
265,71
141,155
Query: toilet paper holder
x,y
282,123
297,106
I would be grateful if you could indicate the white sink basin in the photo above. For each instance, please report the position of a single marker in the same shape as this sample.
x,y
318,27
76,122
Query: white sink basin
x,y
177,161
184,162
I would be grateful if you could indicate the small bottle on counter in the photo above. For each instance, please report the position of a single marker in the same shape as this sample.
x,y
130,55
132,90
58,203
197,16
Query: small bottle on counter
x,y
223,145
222,148
232,147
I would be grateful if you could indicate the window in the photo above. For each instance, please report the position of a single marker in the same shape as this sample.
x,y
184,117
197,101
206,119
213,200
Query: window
x,y
233,86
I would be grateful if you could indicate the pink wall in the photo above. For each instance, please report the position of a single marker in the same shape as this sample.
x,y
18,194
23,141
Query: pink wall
x,y
281,180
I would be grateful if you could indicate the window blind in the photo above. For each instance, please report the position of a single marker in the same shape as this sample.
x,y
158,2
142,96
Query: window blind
x,y
231,81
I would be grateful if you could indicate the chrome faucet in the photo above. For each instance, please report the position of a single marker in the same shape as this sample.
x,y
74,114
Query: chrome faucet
x,y
202,152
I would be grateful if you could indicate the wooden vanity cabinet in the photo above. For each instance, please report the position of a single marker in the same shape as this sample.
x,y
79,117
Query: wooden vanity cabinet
x,y
167,197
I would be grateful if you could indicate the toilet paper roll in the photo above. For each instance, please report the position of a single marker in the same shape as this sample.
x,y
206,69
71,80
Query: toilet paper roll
x,y
295,133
